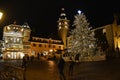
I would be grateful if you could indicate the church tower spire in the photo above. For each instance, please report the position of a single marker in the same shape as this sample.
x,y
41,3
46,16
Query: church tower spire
x,y
63,27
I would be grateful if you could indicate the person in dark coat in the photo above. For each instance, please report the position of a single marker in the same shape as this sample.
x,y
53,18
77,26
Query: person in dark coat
x,y
61,64
71,68
77,57
24,62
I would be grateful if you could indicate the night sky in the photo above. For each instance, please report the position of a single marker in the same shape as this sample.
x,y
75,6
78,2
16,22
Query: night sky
x,y
42,15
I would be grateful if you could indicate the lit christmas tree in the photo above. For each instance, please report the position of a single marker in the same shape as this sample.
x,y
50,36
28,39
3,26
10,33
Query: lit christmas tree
x,y
83,42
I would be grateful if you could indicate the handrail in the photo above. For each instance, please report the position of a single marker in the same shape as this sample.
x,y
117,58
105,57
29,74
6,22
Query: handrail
x,y
12,72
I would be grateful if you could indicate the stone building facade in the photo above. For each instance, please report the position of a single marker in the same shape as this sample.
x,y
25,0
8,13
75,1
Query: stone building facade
x,y
14,39
17,43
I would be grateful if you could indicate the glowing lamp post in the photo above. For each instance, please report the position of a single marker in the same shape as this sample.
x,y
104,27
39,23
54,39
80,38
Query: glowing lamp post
x,y
1,14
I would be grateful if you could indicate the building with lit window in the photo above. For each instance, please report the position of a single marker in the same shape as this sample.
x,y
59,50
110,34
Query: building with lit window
x,y
63,27
16,42
45,45
110,37
107,38
16,39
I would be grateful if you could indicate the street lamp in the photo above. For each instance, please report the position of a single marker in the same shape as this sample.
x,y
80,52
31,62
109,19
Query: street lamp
x,y
1,14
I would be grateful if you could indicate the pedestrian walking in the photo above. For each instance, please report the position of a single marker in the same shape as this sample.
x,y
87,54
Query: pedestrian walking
x,y
32,58
71,68
77,57
24,62
61,64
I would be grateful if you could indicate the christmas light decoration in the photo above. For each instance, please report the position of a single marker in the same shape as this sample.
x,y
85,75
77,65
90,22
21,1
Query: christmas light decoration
x,y
83,41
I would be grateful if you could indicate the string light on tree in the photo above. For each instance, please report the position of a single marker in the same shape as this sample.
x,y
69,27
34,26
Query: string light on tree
x,y
83,41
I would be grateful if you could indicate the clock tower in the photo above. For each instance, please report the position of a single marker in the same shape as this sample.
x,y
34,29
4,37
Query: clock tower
x,y
63,27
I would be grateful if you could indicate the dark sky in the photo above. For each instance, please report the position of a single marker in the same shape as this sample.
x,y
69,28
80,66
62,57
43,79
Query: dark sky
x,y
42,15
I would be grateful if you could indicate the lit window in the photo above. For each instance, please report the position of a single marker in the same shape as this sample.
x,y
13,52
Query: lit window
x,y
59,23
65,22
59,27
6,41
66,27
14,40
8,27
22,29
51,50
18,39
104,30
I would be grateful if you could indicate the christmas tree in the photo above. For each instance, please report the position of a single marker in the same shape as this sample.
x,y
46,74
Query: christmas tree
x,y
83,42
